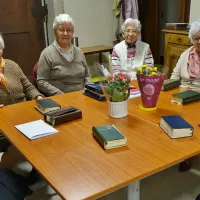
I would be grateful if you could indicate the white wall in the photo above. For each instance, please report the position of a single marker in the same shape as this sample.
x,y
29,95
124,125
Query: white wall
x,y
194,10
93,19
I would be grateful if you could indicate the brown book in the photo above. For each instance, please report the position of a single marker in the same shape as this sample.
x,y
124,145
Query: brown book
x,y
62,115
177,26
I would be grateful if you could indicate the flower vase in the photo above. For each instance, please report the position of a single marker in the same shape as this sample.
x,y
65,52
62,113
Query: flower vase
x,y
150,87
118,109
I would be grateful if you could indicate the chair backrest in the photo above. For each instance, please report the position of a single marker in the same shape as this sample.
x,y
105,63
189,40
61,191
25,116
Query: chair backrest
x,y
35,74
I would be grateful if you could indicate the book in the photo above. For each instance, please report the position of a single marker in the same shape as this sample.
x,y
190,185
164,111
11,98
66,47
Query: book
x,y
134,92
94,96
36,129
94,87
46,105
185,97
176,26
109,136
170,84
175,126
63,115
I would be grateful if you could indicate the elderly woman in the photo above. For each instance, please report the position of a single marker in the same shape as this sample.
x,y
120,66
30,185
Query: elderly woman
x,y
14,88
131,53
62,67
188,66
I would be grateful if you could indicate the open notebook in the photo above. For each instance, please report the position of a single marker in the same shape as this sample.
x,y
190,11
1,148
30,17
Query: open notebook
x,y
36,129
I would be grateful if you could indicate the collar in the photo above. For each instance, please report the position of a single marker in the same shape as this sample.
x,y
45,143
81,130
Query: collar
x,y
60,49
131,46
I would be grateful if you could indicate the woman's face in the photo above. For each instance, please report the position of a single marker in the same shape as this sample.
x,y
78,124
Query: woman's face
x,y
130,34
196,41
64,34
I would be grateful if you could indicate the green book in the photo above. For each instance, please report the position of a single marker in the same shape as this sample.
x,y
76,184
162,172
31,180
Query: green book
x,y
46,105
109,136
185,97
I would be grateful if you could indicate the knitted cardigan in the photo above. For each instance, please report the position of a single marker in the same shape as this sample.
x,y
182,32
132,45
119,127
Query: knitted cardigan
x,y
181,72
19,88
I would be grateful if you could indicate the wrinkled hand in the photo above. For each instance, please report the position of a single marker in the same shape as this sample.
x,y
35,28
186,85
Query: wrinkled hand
x,y
39,97
1,105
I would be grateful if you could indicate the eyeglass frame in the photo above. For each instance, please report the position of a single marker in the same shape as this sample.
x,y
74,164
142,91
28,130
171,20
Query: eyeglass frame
x,y
196,40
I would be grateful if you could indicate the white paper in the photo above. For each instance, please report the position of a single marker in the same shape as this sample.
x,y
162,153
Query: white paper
x,y
36,129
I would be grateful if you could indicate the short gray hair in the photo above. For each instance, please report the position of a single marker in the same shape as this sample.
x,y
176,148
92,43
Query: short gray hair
x,y
62,18
128,21
195,28
2,46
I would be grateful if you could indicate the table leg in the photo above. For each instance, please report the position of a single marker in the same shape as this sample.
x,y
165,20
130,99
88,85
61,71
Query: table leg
x,y
100,58
134,191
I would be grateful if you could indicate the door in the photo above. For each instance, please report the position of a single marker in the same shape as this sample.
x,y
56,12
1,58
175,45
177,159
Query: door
x,y
21,22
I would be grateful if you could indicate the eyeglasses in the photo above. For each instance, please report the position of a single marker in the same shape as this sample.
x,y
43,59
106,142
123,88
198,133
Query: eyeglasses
x,y
68,31
196,39
128,31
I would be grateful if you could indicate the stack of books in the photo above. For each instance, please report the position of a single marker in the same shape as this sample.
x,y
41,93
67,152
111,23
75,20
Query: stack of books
x,y
94,91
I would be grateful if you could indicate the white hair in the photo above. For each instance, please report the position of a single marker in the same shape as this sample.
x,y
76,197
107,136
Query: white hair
x,y
195,28
128,21
2,46
62,18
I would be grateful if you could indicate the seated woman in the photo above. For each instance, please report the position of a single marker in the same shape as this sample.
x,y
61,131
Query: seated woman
x,y
14,88
188,66
131,53
62,66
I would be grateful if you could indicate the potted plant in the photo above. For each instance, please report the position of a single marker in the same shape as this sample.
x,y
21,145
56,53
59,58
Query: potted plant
x,y
150,82
117,91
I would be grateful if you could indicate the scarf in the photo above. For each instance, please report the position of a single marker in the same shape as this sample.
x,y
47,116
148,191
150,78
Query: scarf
x,y
193,64
2,77
69,55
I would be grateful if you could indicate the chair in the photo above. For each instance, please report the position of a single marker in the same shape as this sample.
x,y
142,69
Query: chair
x,y
97,78
35,74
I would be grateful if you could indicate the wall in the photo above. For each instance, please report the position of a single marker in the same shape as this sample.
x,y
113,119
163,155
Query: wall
x,y
194,10
93,19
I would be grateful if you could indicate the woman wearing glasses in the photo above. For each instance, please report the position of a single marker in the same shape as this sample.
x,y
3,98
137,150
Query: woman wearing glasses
x,y
131,53
62,66
188,66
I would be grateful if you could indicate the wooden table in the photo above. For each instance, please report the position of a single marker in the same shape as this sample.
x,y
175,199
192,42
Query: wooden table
x,y
97,49
75,165
189,112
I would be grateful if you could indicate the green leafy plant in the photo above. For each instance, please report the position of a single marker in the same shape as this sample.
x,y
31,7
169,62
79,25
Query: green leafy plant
x,y
117,88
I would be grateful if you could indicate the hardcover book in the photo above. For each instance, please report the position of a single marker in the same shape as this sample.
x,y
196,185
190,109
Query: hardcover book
x,y
46,105
94,87
170,84
185,97
63,115
109,136
94,95
175,126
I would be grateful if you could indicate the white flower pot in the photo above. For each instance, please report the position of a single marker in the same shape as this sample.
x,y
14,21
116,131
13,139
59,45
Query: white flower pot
x,y
118,109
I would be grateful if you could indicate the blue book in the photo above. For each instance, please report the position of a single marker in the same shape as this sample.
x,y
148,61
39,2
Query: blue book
x,y
175,126
94,87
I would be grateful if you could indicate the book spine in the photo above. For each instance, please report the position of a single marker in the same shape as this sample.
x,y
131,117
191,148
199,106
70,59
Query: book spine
x,y
190,100
98,138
